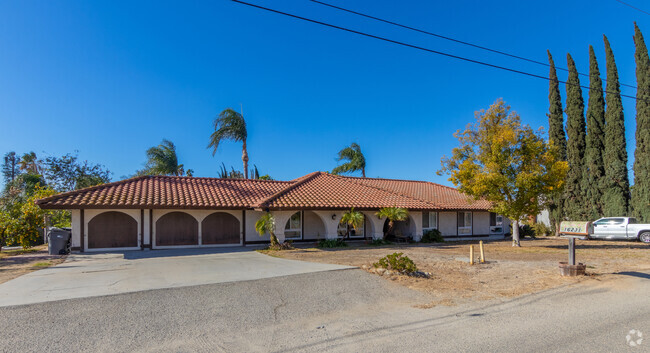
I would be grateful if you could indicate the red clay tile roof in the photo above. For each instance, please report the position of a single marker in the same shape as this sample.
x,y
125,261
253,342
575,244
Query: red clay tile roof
x,y
168,192
326,191
444,196
313,191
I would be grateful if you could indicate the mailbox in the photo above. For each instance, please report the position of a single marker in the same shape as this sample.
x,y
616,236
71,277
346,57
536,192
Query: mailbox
x,y
576,228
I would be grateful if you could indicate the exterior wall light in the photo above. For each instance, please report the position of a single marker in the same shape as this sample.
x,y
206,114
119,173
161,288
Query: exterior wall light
x,y
333,216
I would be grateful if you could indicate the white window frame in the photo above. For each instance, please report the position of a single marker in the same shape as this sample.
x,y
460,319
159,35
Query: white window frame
x,y
435,220
465,229
298,230
497,228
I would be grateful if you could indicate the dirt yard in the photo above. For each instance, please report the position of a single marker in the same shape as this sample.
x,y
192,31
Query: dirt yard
x,y
15,263
508,271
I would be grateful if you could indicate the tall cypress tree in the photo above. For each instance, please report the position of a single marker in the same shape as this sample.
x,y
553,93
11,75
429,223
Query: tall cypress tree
x,y
574,202
616,194
556,137
594,171
641,188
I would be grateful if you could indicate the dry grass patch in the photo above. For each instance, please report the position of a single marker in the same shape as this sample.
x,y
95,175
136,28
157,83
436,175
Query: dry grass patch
x,y
509,271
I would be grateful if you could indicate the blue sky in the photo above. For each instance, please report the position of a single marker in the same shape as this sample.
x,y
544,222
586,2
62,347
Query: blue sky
x,y
112,78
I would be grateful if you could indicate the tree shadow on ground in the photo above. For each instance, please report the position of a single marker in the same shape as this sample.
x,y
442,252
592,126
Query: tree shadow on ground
x,y
634,274
580,245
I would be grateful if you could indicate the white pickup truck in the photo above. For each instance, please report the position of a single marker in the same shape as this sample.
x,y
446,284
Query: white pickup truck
x,y
620,228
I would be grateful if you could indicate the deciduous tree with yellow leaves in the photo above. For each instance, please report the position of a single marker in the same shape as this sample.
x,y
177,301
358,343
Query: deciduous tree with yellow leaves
x,y
507,163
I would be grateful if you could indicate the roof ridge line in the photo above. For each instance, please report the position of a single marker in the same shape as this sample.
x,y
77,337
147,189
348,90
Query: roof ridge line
x,y
395,179
212,178
91,188
388,191
298,182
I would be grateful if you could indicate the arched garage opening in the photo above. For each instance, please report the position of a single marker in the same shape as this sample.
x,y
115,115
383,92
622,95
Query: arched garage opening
x,y
112,230
177,228
220,228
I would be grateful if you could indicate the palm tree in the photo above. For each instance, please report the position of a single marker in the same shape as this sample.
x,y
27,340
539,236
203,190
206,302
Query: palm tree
x,y
162,160
393,214
10,167
356,160
30,163
266,224
353,219
230,125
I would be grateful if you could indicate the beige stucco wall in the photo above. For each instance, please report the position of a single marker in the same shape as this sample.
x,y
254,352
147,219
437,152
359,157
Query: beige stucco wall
x,y
76,228
447,222
481,223
251,234
313,226
317,224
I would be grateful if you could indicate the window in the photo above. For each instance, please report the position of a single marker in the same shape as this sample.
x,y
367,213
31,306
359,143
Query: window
x,y
632,221
610,221
616,220
496,223
429,220
293,229
496,219
464,223
342,230
603,221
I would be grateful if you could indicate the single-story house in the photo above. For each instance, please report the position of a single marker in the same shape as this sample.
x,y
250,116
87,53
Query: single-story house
x,y
158,212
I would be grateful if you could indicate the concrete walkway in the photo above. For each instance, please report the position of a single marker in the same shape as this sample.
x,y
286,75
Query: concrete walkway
x,y
91,275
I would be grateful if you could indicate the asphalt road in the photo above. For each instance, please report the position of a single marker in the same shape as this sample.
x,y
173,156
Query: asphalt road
x,y
339,311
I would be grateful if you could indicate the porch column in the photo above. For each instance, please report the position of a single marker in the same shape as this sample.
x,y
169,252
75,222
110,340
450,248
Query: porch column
x,y
331,220
417,218
281,219
377,231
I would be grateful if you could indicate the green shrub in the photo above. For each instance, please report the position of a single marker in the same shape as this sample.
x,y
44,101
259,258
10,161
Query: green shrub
x,y
380,242
397,262
541,229
526,230
332,243
432,236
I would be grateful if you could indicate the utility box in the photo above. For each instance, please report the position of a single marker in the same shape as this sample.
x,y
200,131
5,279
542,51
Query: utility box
x,y
58,241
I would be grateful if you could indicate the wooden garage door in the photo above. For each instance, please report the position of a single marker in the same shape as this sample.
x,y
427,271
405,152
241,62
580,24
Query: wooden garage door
x,y
220,228
177,228
112,230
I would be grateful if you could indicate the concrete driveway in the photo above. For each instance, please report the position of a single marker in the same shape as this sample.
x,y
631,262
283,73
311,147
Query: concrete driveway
x,y
90,275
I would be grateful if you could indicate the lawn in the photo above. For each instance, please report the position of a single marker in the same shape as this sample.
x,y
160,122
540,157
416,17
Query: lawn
x,y
15,263
508,271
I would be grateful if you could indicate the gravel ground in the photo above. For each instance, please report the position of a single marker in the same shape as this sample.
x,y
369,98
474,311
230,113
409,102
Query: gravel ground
x,y
340,311
510,272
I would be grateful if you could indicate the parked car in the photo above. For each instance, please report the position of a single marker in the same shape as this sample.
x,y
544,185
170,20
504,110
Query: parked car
x,y
620,228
